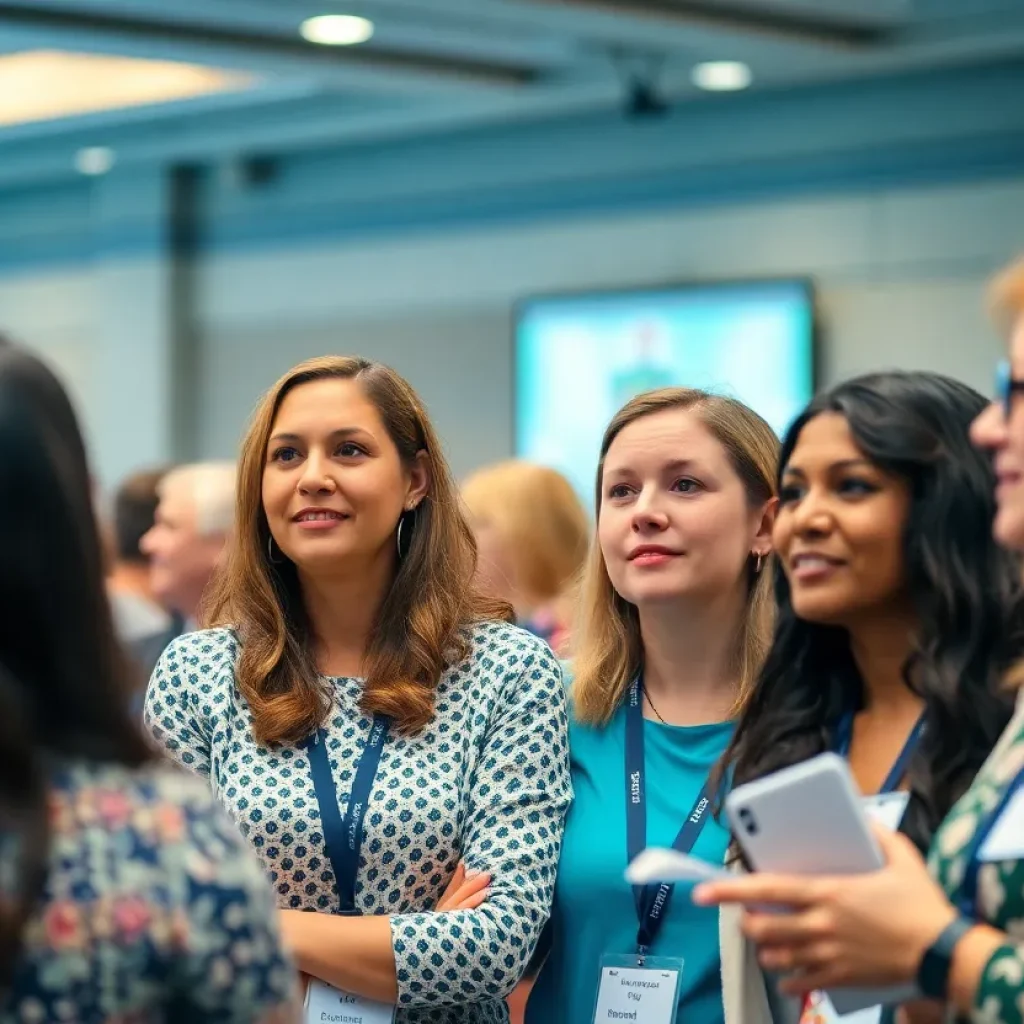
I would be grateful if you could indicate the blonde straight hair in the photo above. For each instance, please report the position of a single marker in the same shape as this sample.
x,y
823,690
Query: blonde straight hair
x,y
539,518
608,648
1006,295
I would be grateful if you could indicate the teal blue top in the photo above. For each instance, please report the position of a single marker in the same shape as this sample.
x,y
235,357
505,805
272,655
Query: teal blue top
x,y
594,913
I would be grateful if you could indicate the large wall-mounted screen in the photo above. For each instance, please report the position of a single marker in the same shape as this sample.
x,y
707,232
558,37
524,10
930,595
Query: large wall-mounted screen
x,y
579,358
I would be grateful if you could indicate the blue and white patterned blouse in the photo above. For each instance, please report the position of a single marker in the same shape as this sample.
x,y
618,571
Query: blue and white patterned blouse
x,y
153,911
486,781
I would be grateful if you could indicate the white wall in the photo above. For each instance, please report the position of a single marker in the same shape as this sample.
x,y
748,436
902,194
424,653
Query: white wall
x,y
54,313
901,277
104,329
456,359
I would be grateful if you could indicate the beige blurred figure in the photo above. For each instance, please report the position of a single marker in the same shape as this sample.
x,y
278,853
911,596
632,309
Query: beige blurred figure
x,y
532,535
194,517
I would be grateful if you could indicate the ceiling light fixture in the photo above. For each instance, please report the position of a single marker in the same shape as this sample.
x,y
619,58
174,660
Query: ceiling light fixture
x,y
336,30
94,160
722,76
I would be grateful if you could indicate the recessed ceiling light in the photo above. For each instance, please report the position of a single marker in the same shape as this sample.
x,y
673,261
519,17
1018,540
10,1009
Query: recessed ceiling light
x,y
94,160
336,30
722,75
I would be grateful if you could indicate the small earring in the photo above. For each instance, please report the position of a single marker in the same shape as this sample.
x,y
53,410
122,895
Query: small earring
x,y
270,551
760,559
408,515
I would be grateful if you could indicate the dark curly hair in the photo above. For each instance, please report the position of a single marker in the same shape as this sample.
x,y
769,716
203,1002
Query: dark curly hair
x,y
966,592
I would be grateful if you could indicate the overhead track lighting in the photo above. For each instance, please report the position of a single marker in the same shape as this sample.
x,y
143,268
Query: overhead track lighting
x,y
336,30
721,76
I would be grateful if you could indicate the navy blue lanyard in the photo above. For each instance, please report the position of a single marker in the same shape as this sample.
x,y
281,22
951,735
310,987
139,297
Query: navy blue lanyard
x,y
343,836
651,900
969,890
844,736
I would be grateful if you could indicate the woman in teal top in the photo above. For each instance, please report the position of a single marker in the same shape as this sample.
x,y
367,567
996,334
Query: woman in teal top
x,y
675,618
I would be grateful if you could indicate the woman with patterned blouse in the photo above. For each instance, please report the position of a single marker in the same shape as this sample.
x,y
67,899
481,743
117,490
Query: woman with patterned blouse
x,y
955,926
127,893
393,750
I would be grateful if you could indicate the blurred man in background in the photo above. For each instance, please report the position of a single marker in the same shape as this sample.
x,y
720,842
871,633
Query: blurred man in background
x,y
194,516
137,613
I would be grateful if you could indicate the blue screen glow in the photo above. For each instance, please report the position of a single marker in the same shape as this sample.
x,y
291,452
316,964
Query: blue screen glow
x,y
578,359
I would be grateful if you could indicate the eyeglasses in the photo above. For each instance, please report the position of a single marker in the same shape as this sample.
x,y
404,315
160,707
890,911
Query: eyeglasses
x,y
1007,386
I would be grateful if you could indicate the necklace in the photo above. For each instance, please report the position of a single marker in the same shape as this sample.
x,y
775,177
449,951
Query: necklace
x,y
654,709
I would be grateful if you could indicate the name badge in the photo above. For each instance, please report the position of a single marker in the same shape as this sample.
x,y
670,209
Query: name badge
x,y
326,1005
819,1010
887,809
646,995
1006,840
863,1006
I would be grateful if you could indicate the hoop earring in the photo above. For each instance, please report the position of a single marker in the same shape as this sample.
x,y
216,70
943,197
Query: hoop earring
x,y
408,515
270,551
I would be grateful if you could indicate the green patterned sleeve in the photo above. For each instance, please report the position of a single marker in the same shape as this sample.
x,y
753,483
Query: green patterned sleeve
x,y
1000,997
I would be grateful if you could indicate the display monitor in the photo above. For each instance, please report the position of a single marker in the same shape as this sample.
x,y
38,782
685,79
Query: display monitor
x,y
579,358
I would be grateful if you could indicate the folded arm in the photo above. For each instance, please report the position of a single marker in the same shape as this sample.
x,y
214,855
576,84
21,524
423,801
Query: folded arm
x,y
355,954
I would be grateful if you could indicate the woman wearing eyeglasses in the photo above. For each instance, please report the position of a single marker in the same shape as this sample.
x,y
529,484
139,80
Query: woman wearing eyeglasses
x,y
956,925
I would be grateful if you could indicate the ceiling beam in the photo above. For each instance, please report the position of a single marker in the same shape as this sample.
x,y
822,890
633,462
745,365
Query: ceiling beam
x,y
743,16
154,31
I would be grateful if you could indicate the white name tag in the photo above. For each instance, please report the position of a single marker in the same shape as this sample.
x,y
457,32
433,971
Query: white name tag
x,y
1006,840
887,809
326,1005
645,995
864,1006
819,1010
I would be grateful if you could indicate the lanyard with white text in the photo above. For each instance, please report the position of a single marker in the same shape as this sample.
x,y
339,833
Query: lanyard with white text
x,y
651,900
844,736
343,836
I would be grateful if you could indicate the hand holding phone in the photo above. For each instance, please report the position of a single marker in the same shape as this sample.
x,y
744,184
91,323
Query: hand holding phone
x,y
809,819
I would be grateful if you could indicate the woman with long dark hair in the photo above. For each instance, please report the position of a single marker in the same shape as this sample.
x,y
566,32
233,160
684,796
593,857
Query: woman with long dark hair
x,y
127,893
898,611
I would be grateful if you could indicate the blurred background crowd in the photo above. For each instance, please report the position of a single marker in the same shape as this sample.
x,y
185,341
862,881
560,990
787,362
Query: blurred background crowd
x,y
532,210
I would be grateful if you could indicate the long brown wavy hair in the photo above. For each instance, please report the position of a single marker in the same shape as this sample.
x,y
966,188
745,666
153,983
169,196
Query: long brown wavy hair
x,y
608,646
421,626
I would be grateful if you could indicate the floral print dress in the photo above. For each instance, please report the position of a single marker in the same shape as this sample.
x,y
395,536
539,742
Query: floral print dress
x,y
153,911
1000,896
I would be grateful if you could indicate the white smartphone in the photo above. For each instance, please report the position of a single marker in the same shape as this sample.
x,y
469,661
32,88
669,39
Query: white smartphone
x,y
809,819
804,820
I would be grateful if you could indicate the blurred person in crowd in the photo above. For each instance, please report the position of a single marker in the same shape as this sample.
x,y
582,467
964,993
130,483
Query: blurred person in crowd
x,y
898,615
532,535
395,752
194,517
675,617
137,613
127,893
